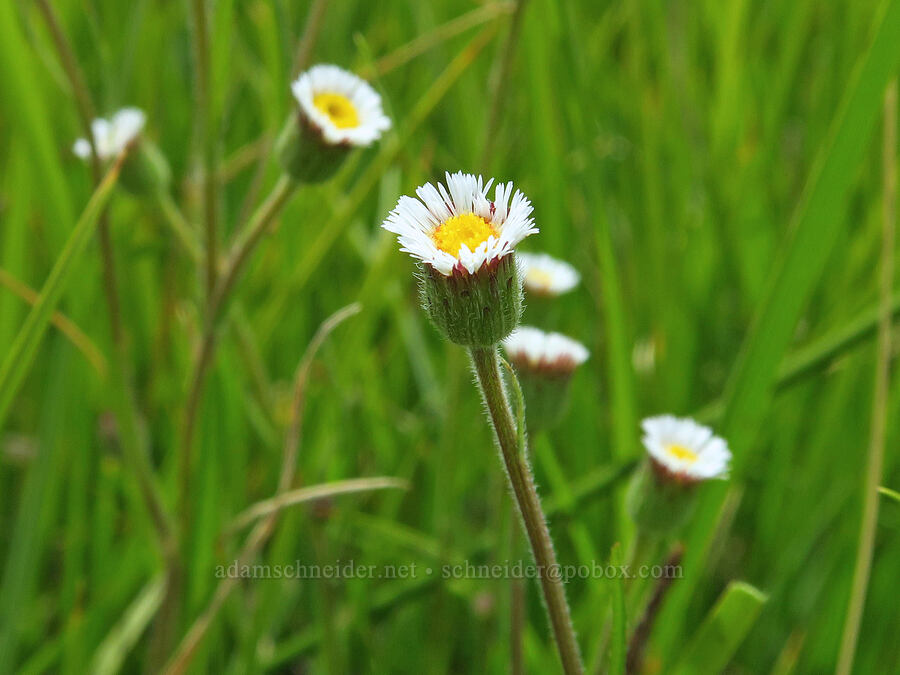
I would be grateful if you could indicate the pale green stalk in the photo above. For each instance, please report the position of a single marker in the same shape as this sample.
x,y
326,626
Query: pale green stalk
x,y
875,461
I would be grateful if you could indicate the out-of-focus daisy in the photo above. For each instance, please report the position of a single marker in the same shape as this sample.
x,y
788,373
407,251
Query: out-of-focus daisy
x,y
336,112
544,363
532,349
547,276
341,107
464,240
112,136
682,454
458,228
684,449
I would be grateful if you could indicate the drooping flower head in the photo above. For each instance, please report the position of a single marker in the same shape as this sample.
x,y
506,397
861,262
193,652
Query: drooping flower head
x,y
684,449
545,363
552,354
547,276
145,169
336,112
465,240
343,108
112,136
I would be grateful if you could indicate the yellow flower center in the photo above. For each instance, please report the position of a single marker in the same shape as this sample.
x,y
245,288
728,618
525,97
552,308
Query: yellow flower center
x,y
339,108
467,229
539,277
682,453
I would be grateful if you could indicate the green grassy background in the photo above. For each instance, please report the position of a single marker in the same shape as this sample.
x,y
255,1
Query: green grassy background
x,y
712,168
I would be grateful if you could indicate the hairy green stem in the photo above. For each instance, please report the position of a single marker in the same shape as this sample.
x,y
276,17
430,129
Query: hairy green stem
x,y
519,473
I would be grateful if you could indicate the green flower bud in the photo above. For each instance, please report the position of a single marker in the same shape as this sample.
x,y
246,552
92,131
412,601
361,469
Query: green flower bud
x,y
145,170
304,153
658,502
476,309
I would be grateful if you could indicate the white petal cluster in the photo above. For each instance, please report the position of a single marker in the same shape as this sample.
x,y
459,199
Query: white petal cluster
x,y
685,448
414,221
113,135
538,350
329,79
546,275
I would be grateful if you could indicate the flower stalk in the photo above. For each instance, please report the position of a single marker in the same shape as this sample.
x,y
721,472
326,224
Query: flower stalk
x,y
520,477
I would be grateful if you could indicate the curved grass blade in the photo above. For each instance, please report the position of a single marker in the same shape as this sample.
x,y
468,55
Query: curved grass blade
x,y
111,653
24,347
723,630
887,492
313,493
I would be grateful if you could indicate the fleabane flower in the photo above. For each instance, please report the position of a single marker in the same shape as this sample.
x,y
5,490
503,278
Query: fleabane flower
x,y
684,449
145,170
547,276
458,228
545,363
681,455
343,108
112,136
465,241
552,354
336,112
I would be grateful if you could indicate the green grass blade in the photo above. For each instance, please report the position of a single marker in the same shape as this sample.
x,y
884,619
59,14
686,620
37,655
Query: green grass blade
x,y
887,492
24,348
22,105
815,228
814,231
723,630
618,646
112,652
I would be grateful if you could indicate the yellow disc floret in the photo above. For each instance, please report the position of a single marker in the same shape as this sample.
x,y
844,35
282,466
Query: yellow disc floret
x,y
339,108
682,453
467,229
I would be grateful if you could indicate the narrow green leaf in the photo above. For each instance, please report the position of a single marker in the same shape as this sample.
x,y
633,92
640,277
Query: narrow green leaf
x,y
20,356
313,493
111,653
617,647
887,492
22,106
721,633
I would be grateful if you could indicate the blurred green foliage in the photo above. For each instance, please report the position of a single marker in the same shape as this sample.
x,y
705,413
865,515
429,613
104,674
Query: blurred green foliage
x,y
666,147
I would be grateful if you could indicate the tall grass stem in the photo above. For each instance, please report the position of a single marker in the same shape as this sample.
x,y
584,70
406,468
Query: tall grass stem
x,y
875,460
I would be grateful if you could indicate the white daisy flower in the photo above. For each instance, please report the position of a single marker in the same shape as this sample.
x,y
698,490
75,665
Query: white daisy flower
x,y
457,227
552,353
342,107
546,275
112,136
685,449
